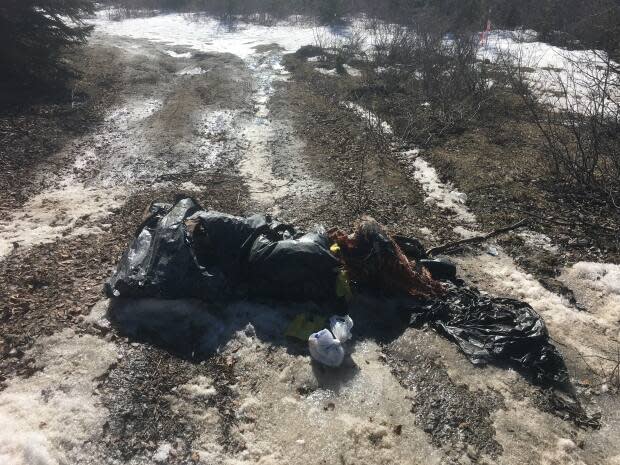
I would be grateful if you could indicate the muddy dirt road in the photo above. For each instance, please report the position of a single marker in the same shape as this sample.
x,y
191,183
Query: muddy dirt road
x,y
203,110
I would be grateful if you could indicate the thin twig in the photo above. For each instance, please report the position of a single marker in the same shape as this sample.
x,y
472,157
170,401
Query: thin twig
x,y
451,246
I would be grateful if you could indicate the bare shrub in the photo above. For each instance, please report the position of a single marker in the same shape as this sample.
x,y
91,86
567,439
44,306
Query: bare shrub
x,y
435,74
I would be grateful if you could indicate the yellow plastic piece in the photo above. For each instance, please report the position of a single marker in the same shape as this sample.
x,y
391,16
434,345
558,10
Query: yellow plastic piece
x,y
304,324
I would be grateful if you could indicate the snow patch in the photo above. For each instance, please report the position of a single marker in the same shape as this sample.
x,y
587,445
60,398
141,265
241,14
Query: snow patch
x,y
200,387
72,210
209,35
597,286
604,277
551,69
327,72
191,71
437,193
465,233
538,240
45,419
371,118
352,71
174,54
162,453
133,111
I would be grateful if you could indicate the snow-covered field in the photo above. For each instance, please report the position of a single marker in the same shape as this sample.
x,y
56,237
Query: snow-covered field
x,y
566,79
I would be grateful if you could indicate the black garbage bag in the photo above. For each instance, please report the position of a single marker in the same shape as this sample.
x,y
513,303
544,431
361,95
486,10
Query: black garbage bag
x,y
160,262
496,330
302,268
411,247
183,252
219,240
440,269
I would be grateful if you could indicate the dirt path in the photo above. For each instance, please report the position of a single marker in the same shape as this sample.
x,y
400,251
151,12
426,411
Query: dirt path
x,y
214,114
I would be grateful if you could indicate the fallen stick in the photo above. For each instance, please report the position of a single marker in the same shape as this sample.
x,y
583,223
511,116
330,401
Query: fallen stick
x,y
475,240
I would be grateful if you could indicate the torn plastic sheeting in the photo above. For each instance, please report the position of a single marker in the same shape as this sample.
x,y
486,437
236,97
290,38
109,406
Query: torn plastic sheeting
x,y
491,330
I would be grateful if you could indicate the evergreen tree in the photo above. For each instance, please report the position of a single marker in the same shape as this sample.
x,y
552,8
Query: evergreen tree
x,y
33,35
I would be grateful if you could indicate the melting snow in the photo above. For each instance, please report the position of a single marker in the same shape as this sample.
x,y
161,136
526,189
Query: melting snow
x,y
443,195
597,286
46,418
174,54
371,118
604,277
538,240
438,193
133,111
162,453
590,333
551,68
71,210
210,35
191,71
352,71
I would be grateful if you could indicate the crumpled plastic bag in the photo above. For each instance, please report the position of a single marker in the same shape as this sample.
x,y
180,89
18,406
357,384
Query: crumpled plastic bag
x,y
341,327
325,348
491,330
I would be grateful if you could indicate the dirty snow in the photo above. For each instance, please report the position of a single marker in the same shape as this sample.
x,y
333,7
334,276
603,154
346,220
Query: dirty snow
x,y
597,286
75,208
290,407
604,277
538,240
352,71
46,418
349,412
174,54
69,211
264,136
162,453
371,118
327,72
191,71
443,195
133,111
591,333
